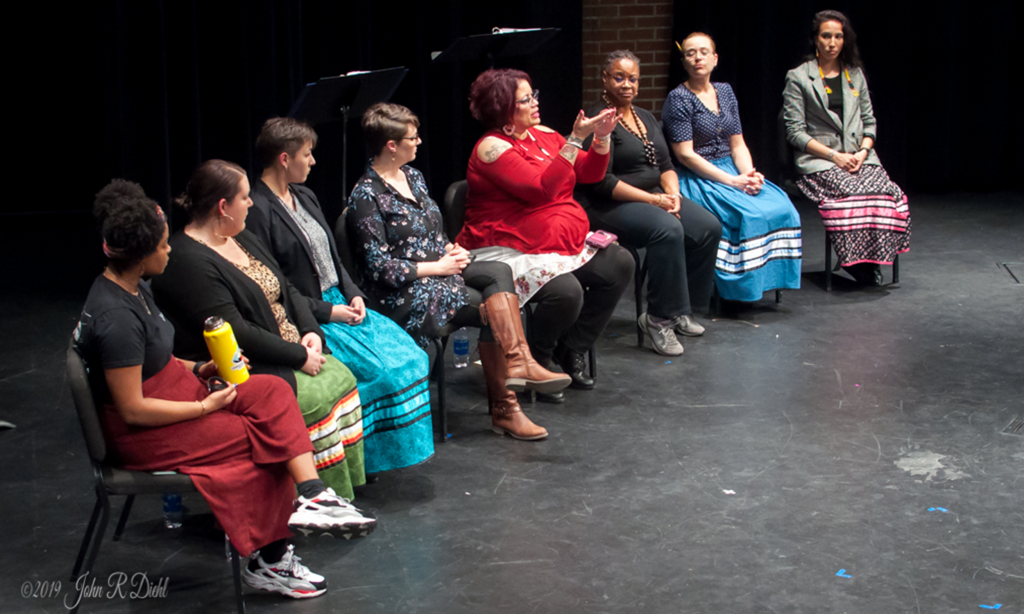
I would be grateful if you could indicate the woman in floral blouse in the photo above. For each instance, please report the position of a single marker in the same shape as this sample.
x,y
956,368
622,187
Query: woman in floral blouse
x,y
415,276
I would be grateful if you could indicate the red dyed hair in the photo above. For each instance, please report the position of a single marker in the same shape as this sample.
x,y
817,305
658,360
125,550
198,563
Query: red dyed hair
x,y
492,97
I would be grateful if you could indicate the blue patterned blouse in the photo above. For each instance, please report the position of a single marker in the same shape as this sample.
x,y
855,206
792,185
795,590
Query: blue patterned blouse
x,y
391,234
687,119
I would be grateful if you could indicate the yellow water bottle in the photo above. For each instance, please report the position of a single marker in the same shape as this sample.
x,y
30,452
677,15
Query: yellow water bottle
x,y
224,351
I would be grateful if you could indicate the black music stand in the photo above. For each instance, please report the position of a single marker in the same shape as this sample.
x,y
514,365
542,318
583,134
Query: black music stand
x,y
336,98
492,46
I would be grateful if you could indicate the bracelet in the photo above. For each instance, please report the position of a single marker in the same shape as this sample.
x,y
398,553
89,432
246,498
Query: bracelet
x,y
196,366
661,200
831,154
203,405
606,140
867,149
573,140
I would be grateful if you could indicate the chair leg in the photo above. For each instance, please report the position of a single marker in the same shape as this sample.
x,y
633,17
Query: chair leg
x,y
86,539
236,569
638,296
778,296
90,559
593,362
828,263
124,517
716,300
442,392
896,269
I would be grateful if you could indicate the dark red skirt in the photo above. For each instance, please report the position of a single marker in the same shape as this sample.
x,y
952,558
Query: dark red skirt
x,y
234,456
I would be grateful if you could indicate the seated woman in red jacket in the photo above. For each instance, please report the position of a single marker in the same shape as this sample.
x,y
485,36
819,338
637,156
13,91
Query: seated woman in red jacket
x,y
520,210
245,448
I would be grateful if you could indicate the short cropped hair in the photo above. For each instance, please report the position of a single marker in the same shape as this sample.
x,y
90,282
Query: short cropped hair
x,y
212,181
694,35
282,135
620,54
131,223
386,121
492,97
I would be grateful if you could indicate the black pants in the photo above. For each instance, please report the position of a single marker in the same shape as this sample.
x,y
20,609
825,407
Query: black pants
x,y
573,309
483,280
680,252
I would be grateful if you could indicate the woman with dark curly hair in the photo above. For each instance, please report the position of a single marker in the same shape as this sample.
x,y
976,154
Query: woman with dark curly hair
x,y
831,124
423,282
221,269
520,210
244,447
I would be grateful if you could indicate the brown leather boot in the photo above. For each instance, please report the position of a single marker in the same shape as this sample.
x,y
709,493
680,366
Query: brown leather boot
x,y
501,312
507,418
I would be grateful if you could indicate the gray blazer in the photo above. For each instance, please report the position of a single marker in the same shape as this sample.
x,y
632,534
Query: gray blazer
x,y
806,115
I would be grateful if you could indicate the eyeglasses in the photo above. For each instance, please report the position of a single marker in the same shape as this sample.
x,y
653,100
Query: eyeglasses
x,y
532,98
415,137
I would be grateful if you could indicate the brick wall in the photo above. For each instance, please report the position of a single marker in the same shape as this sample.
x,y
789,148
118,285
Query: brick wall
x,y
642,26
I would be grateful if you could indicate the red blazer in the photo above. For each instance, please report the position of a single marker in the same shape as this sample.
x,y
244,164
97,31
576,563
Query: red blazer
x,y
523,200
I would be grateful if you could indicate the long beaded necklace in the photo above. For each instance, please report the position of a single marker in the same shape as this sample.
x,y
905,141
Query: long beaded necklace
x,y
828,90
652,155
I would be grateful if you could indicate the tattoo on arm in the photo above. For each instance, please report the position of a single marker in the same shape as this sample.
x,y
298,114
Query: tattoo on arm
x,y
493,150
569,153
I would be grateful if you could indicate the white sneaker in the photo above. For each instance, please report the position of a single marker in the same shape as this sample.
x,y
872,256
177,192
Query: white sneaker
x,y
329,514
287,576
663,337
687,326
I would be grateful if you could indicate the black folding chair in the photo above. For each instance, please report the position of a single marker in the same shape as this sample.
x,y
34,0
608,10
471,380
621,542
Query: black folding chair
x,y
113,480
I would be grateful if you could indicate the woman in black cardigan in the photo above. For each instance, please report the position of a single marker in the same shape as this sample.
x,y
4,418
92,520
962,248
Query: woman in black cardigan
x,y
390,368
220,269
639,201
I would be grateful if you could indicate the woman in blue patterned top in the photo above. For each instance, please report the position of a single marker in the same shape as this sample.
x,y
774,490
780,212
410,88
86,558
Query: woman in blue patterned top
x,y
415,276
761,246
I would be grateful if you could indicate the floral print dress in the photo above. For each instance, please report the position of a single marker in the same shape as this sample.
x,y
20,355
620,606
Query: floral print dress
x,y
391,234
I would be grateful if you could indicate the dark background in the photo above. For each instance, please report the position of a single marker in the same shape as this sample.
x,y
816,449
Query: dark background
x,y
146,90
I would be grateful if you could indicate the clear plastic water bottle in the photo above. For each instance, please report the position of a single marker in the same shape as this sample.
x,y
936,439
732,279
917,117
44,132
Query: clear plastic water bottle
x,y
460,348
172,510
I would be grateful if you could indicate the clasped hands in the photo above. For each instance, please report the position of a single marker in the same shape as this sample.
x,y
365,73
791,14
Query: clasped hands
x,y
456,259
314,354
750,182
352,314
850,163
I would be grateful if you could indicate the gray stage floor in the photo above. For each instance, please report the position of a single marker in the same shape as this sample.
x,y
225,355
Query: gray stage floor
x,y
838,452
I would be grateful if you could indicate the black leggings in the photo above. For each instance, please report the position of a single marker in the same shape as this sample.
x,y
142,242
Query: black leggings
x,y
483,280
573,309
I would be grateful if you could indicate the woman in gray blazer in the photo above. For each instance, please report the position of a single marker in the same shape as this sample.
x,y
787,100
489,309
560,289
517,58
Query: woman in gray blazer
x,y
829,121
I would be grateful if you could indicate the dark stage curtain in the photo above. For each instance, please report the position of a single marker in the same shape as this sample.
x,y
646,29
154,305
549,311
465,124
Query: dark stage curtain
x,y
942,79
156,87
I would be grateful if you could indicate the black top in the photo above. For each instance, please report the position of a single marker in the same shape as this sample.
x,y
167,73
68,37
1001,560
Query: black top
x,y
835,99
118,329
276,229
627,162
199,283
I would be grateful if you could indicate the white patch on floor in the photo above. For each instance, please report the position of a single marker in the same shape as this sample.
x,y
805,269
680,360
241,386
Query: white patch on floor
x,y
928,464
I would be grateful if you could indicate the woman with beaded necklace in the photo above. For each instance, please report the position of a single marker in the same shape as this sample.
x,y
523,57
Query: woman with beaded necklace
x,y
830,122
639,201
